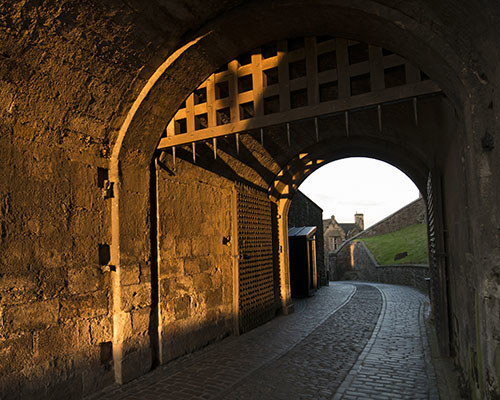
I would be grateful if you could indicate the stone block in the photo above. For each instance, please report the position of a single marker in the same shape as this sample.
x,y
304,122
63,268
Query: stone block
x,y
86,306
69,388
85,280
96,379
130,275
101,330
57,341
171,267
182,306
202,245
191,266
51,281
35,315
214,298
207,264
183,246
135,364
202,282
216,278
145,273
140,320
15,289
136,296
123,324
13,353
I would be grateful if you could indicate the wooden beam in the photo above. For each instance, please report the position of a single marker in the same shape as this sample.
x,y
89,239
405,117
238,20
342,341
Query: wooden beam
x,y
283,77
258,100
233,91
212,120
312,71
377,80
374,98
190,113
344,80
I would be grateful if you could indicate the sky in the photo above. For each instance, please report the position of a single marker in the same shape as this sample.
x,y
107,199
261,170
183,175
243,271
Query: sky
x,y
364,185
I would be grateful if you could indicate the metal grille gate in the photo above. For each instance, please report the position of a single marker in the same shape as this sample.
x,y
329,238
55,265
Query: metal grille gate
x,y
255,248
437,260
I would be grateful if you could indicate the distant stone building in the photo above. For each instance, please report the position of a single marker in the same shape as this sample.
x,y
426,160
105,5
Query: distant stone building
x,y
335,233
304,212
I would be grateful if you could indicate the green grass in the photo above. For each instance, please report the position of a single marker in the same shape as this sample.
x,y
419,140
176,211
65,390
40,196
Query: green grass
x,y
412,239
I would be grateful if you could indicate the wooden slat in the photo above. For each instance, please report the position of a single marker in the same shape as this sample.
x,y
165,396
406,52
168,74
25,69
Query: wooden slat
x,y
296,55
312,71
212,121
339,105
272,90
412,73
377,80
299,83
200,108
271,62
190,113
283,76
233,91
327,76
393,60
171,128
325,47
258,100
343,68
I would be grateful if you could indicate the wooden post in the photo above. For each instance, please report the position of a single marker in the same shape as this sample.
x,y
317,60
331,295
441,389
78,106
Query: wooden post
x,y
283,76
312,71
257,84
344,80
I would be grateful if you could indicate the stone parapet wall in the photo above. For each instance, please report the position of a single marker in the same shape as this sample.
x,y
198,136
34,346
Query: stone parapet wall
x,y
413,213
355,262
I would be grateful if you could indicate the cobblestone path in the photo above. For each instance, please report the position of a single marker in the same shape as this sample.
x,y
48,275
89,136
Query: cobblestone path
x,y
349,341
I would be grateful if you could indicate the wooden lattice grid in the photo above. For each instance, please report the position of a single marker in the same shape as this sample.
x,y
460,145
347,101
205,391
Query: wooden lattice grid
x,y
319,76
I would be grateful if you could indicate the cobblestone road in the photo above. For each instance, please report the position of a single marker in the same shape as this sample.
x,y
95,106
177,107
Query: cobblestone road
x,y
350,341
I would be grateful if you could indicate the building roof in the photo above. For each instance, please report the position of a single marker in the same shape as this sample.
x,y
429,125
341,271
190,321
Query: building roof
x,y
348,226
306,231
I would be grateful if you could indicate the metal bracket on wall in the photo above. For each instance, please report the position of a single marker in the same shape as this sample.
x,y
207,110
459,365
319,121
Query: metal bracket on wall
x,y
107,189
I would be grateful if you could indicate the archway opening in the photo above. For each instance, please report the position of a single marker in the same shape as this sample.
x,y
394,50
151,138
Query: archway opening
x,y
361,198
277,160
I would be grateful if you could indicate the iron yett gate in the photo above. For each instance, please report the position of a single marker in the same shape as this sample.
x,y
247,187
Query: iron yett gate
x,y
255,254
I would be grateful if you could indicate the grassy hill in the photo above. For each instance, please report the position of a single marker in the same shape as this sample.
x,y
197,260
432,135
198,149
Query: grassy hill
x,y
412,239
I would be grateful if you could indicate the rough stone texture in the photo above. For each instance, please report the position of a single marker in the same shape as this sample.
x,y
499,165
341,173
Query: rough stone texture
x,y
304,212
413,213
195,267
69,74
355,262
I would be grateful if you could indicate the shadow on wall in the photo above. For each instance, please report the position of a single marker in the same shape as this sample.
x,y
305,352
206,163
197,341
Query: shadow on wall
x,y
355,262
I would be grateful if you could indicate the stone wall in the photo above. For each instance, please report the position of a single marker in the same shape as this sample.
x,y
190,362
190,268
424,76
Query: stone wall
x,y
355,262
195,261
55,300
304,212
71,76
413,213
409,275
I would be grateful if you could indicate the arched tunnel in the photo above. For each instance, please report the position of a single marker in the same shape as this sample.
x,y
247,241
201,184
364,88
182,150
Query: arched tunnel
x,y
141,221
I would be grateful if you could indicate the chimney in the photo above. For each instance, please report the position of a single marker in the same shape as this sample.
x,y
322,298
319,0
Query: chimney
x,y
333,218
359,220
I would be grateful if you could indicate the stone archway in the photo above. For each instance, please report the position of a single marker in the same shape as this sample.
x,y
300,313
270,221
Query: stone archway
x,y
182,73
